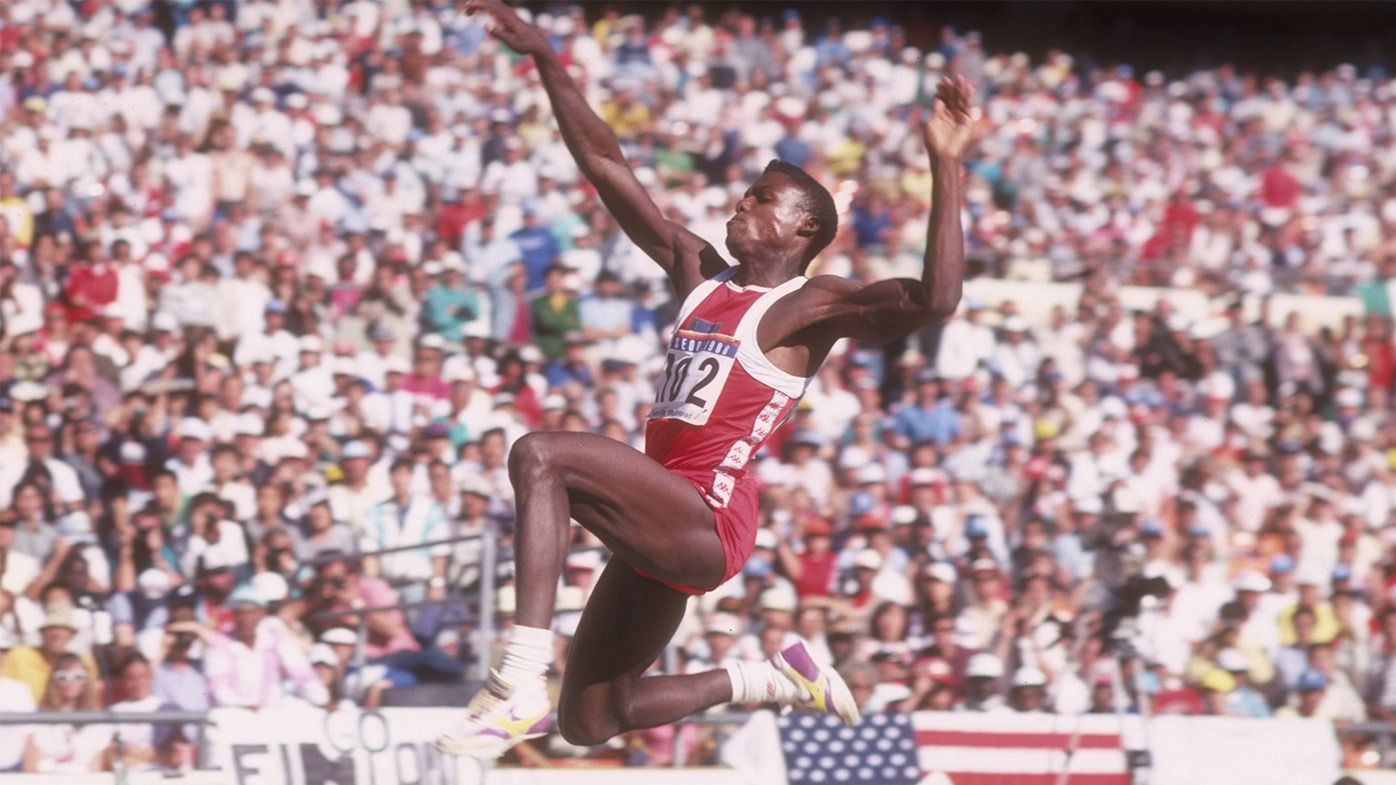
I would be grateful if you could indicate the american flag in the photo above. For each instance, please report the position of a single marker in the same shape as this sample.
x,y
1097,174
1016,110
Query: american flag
x,y
928,748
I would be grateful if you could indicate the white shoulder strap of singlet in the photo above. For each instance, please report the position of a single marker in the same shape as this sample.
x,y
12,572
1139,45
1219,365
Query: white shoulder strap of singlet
x,y
701,292
752,318
750,355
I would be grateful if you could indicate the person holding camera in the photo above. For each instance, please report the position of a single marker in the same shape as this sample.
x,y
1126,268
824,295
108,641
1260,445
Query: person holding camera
x,y
178,678
209,536
338,596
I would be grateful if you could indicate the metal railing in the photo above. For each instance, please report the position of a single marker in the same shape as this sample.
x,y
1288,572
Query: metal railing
x,y
199,719
721,722
1382,733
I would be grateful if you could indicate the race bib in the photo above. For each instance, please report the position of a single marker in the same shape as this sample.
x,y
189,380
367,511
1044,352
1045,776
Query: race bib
x,y
695,371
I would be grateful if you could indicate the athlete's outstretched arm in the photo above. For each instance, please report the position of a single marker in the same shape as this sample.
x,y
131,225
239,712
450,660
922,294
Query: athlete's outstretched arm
x,y
891,309
593,144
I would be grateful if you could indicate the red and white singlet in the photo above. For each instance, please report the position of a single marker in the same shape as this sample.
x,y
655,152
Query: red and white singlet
x,y
720,399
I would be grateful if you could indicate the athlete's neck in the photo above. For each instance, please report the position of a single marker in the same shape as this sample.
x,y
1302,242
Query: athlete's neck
x,y
768,275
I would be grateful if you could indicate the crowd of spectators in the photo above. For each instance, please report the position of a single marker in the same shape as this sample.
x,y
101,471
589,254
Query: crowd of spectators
x,y
282,281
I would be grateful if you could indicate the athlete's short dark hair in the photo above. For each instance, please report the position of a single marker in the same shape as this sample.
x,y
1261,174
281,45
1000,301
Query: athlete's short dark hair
x,y
815,199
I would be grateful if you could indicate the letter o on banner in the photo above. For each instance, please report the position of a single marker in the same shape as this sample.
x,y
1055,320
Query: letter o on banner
x,y
373,732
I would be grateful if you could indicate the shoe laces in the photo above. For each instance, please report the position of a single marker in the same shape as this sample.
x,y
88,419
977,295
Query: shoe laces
x,y
485,702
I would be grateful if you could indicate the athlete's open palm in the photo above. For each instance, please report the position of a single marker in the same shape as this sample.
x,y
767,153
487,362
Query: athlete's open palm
x,y
953,119
507,26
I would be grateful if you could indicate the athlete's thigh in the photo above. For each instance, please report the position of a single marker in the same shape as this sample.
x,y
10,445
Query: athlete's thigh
x,y
650,518
624,628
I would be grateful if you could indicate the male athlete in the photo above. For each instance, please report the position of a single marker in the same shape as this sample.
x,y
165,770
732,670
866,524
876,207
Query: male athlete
x,y
680,518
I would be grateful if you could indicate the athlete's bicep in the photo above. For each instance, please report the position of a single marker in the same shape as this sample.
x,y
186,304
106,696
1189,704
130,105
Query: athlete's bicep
x,y
872,313
639,217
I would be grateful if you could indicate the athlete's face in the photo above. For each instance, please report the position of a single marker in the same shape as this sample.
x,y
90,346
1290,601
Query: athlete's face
x,y
769,218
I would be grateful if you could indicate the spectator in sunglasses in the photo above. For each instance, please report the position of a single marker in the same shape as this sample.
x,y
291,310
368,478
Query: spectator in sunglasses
x,y
67,748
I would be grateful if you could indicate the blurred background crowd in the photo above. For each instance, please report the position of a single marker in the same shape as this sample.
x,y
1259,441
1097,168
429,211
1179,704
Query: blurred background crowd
x,y
282,281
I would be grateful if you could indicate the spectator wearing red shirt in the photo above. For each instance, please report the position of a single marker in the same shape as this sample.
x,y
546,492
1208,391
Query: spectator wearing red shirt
x,y
91,285
459,209
425,378
513,381
1278,188
811,570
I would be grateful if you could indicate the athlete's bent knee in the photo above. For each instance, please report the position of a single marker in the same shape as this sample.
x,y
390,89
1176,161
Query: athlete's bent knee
x,y
585,731
533,452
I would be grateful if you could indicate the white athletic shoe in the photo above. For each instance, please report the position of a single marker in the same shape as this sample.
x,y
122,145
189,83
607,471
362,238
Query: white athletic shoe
x,y
821,688
498,717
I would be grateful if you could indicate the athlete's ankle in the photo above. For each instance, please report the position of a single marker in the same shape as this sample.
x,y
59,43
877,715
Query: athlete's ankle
x,y
527,657
760,682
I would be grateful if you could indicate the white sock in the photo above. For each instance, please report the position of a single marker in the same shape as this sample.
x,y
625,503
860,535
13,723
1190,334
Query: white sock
x,y
760,682
527,657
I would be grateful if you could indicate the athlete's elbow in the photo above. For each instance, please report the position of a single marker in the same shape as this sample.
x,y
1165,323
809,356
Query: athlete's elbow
x,y
944,301
938,304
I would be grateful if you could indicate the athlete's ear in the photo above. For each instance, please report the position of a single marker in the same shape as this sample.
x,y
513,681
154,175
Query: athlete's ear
x,y
809,225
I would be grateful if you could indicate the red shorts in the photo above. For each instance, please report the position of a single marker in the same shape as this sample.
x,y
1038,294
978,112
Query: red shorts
x,y
735,525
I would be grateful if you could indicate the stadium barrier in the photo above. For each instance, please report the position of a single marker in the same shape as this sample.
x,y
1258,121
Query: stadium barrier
x,y
297,744
1009,748
1363,776
1370,744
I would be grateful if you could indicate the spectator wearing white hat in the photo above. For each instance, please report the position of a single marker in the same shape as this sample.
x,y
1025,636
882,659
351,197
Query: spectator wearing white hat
x,y
965,344
805,468
1245,700
32,665
1015,357
312,383
984,684
249,666
716,648
242,299
62,487
361,489
191,465
987,610
450,304
1028,690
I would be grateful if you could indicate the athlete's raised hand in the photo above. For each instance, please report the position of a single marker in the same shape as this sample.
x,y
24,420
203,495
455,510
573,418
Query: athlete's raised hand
x,y
953,119
508,27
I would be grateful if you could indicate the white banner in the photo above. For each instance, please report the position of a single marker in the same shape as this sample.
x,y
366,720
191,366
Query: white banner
x,y
300,745
306,746
1236,751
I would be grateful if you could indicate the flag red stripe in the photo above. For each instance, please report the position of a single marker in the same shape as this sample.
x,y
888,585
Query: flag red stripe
x,y
981,778
1036,741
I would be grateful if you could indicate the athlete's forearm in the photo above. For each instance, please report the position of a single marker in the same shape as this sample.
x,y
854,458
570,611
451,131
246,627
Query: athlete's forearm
x,y
586,135
944,272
